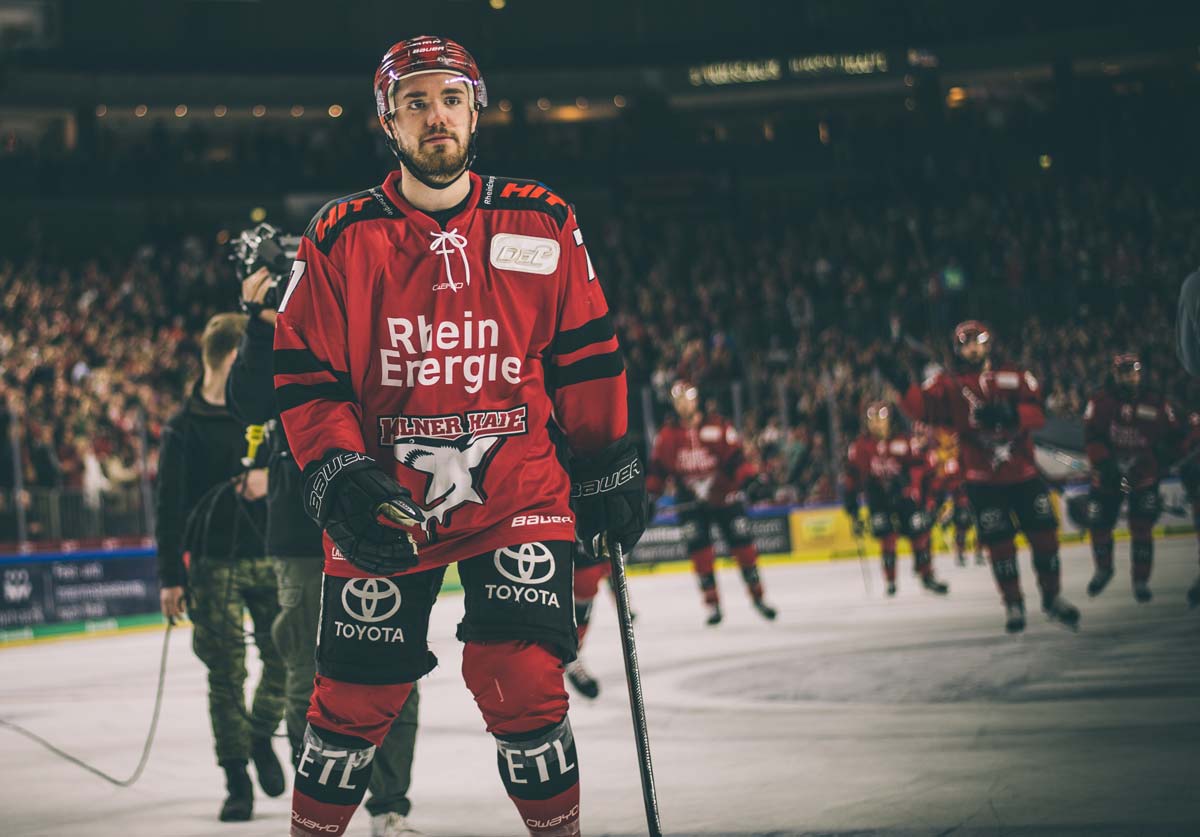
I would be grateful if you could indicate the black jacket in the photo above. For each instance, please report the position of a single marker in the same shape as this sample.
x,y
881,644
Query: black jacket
x,y
250,392
202,447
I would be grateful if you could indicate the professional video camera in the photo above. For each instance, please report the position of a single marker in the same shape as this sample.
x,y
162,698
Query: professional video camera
x,y
264,246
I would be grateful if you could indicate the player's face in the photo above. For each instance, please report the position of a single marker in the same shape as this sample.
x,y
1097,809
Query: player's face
x,y
975,351
1129,377
879,425
432,121
687,402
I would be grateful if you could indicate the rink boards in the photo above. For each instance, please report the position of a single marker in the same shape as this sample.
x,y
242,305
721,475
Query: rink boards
x,y
75,588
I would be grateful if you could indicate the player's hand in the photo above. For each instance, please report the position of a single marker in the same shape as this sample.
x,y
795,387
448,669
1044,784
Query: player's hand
x,y
171,600
608,492
254,291
253,484
365,512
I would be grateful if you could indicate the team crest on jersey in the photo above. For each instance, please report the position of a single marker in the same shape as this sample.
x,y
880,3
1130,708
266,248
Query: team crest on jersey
x,y
454,452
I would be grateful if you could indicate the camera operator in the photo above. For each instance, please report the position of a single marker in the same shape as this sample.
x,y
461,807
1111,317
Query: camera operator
x,y
293,539
210,509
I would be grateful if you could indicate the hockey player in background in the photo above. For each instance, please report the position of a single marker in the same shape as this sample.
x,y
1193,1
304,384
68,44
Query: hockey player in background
x,y
994,410
895,474
949,489
433,329
1131,436
703,455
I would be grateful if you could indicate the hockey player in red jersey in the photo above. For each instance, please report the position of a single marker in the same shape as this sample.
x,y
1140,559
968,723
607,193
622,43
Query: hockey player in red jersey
x,y
1131,435
435,327
994,410
702,454
896,475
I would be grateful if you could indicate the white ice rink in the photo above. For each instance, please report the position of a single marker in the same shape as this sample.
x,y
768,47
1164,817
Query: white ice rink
x,y
850,715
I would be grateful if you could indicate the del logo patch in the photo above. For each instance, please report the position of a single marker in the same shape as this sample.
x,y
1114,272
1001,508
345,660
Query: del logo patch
x,y
525,253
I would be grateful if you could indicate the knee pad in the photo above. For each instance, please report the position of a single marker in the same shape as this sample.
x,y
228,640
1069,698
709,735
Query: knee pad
x,y
518,686
1102,510
696,532
994,525
881,525
1145,507
334,768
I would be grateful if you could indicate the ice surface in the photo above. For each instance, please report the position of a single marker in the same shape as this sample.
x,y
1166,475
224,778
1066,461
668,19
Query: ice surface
x,y
849,715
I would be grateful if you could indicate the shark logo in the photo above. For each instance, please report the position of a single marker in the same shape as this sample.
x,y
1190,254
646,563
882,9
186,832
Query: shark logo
x,y
453,452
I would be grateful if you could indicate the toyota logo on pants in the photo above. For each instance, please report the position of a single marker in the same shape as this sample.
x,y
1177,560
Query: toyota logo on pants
x,y
371,599
529,563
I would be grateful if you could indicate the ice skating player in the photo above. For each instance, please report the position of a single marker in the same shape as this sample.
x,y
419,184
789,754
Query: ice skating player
x,y
949,488
702,454
896,475
994,409
433,328
1131,435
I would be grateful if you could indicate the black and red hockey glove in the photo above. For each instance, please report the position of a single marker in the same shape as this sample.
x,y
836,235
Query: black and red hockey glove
x,y
996,415
366,512
608,493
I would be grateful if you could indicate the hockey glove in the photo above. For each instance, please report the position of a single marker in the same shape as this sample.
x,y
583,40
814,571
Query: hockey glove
x,y
856,522
364,511
608,491
996,415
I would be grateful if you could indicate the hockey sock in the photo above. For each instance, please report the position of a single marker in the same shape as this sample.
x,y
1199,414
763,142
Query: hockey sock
x,y
888,546
922,560
519,690
1003,555
1141,549
331,780
747,558
1102,548
703,560
1045,562
960,538
583,615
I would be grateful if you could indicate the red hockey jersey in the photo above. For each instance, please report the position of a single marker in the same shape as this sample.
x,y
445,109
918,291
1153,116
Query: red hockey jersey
x,y
1136,432
894,466
985,456
446,354
707,460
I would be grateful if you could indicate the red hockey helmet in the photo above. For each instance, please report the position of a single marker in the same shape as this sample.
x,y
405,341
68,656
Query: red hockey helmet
x,y
1126,363
879,419
971,331
426,54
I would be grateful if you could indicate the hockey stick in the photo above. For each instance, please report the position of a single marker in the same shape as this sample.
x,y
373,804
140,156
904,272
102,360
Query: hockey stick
x,y
633,677
862,564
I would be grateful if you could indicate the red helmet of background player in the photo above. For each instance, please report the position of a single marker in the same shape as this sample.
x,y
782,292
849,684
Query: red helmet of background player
x,y
686,398
1127,371
969,334
879,419
426,54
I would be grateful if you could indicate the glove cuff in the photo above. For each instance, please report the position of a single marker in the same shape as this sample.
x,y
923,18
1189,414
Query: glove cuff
x,y
320,480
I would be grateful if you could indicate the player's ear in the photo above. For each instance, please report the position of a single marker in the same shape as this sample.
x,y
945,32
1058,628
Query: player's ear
x,y
474,120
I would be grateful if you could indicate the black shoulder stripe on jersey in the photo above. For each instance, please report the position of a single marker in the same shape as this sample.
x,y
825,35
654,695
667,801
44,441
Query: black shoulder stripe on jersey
x,y
296,395
607,365
301,362
512,193
598,330
328,224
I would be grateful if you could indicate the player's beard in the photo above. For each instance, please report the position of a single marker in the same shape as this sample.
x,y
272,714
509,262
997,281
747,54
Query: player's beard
x,y
440,163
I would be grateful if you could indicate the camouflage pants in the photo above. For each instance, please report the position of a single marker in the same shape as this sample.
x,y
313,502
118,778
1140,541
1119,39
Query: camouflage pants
x,y
220,594
295,634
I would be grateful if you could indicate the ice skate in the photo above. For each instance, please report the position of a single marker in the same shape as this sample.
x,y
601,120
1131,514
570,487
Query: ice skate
x,y
1014,617
891,588
1099,581
1060,610
933,585
1141,592
714,615
583,682
769,613
392,824
960,558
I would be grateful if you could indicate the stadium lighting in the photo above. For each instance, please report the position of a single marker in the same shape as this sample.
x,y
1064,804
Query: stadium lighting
x,y
1044,161
258,214
497,4
219,111
505,105
543,103
181,111
297,111
259,110
140,111
101,110
335,111
581,102
619,100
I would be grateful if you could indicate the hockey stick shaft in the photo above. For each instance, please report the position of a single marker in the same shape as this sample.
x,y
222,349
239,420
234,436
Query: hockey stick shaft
x,y
634,679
